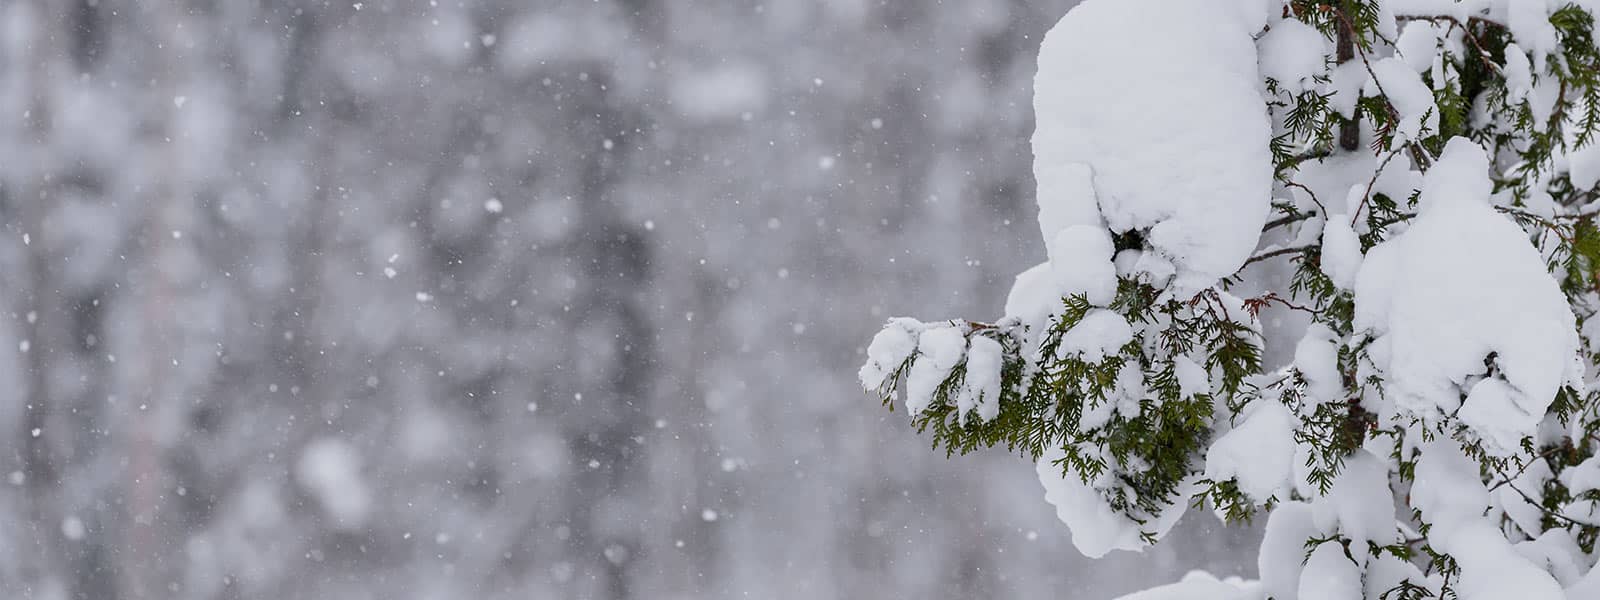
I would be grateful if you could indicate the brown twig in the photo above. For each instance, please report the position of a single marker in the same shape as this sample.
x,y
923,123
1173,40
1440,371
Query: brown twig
x,y
1254,305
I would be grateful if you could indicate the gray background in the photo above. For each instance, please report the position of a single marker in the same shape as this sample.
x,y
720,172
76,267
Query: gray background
x,y
544,299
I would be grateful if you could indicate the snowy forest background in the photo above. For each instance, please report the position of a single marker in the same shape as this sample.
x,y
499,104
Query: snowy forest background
x,y
548,299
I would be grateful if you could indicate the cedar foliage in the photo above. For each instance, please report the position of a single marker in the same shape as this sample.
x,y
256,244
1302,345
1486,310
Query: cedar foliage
x,y
1052,399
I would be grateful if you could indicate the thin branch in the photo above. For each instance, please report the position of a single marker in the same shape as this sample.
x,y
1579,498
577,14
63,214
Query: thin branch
x,y
1280,222
1551,513
1005,326
1354,217
1517,212
1542,456
1308,192
1279,252
1451,19
1254,305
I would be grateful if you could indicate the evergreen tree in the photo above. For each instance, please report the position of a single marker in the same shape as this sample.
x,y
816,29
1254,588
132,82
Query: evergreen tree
x,y
1404,193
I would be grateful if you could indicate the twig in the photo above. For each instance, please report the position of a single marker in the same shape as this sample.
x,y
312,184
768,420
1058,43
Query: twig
x,y
1278,252
1542,455
1517,212
1356,216
1541,507
1254,305
1280,222
1308,192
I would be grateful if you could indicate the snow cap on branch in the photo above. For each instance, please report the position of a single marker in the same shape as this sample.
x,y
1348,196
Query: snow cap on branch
x,y
1096,527
1461,287
1113,143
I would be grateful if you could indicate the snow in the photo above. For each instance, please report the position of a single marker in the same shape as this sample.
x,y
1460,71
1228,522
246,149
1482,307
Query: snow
x,y
1447,486
1384,572
1490,410
1033,296
1523,86
1199,585
1463,282
1457,9
1418,44
1316,357
889,349
1101,333
1071,198
1330,575
1509,498
1096,528
1341,252
1557,553
1192,378
1490,568
1283,549
1584,477
1586,587
1409,95
981,390
1450,495
1345,83
1529,21
1292,53
1583,164
1519,74
1192,169
1359,504
1080,259
939,350
1259,453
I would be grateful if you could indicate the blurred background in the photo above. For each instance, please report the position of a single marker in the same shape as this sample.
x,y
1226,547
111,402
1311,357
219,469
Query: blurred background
x,y
446,299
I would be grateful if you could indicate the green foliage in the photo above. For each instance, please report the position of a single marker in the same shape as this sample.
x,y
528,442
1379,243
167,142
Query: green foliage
x,y
1148,446
1406,590
1124,424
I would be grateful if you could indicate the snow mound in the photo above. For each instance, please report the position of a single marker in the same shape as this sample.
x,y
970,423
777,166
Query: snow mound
x,y
1200,585
1259,453
1293,53
1097,528
940,350
1101,333
1282,555
891,347
981,389
1450,495
1192,169
1461,285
